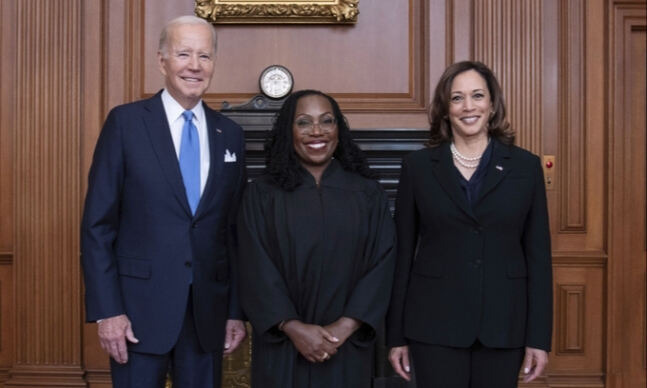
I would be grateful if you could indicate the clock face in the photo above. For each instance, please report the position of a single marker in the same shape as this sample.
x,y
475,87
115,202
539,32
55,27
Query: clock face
x,y
276,81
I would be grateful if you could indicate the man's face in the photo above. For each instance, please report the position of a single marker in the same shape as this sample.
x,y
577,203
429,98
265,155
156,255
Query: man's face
x,y
188,62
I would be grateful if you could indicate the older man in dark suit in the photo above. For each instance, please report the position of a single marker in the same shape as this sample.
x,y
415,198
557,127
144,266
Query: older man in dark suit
x,y
157,231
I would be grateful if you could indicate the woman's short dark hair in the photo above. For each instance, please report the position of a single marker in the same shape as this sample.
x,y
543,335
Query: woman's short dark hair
x,y
282,162
440,127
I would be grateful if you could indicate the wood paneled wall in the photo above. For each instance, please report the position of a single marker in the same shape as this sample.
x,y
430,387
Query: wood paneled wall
x,y
569,70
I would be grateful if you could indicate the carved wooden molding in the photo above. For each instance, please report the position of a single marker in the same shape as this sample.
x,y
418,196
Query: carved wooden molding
x,y
575,379
580,259
223,11
571,323
7,107
6,258
46,376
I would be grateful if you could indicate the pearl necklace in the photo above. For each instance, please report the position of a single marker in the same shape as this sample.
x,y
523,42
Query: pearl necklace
x,y
463,160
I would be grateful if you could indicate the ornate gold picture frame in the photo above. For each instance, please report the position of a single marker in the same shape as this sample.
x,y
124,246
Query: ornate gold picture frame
x,y
278,11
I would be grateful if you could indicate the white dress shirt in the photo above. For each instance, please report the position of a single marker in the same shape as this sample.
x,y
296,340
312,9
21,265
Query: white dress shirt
x,y
176,121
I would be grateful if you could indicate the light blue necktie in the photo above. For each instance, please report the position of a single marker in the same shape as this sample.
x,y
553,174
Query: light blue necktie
x,y
190,160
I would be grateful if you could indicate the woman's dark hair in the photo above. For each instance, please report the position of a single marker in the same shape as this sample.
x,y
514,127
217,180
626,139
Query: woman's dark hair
x,y
440,129
282,162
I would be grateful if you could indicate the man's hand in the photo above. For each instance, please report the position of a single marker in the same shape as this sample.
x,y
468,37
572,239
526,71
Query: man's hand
x,y
343,328
235,333
399,358
113,333
314,342
534,364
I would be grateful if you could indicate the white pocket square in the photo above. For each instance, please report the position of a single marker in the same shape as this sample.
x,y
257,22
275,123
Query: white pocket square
x,y
230,157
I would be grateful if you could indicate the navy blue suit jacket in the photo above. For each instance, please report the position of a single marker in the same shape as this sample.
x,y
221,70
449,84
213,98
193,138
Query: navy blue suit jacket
x,y
142,247
472,272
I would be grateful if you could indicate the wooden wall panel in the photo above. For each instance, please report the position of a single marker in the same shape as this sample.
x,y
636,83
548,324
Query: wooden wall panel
x,y
572,116
46,156
577,208
507,37
459,31
572,320
578,331
626,342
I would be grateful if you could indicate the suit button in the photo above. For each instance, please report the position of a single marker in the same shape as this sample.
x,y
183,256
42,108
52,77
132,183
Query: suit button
x,y
194,225
477,230
187,264
477,262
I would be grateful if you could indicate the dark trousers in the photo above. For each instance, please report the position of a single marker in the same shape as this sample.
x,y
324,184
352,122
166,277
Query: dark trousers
x,y
474,367
189,366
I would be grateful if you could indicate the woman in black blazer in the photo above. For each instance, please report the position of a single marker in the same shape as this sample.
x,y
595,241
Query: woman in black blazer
x,y
473,283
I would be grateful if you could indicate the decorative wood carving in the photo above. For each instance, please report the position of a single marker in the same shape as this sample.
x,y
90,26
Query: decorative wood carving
x,y
236,369
571,318
47,213
223,11
572,116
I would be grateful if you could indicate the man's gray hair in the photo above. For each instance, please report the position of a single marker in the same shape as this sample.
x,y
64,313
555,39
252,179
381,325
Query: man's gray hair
x,y
180,21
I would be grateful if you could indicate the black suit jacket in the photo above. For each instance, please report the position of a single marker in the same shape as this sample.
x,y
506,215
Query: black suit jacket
x,y
142,247
472,272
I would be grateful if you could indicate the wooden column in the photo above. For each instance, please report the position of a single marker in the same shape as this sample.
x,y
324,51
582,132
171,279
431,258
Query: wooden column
x,y
46,132
627,337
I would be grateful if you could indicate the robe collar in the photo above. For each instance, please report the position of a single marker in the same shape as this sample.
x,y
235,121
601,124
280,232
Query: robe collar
x,y
309,180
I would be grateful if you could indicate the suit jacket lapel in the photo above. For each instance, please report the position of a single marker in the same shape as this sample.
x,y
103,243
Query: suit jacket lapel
x,y
216,157
160,136
500,166
445,172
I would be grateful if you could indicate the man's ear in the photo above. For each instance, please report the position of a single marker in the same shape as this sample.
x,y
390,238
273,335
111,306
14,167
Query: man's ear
x,y
160,61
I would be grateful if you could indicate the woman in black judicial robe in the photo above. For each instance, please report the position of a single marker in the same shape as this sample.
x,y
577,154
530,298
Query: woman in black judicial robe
x,y
316,242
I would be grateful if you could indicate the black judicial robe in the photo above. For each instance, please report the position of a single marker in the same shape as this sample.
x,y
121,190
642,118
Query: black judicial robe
x,y
315,254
